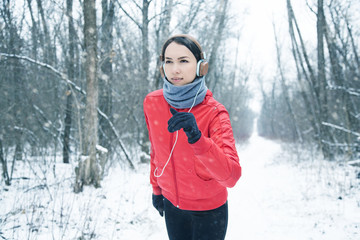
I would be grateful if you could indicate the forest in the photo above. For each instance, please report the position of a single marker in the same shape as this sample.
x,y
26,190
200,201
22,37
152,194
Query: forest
x,y
74,75
314,97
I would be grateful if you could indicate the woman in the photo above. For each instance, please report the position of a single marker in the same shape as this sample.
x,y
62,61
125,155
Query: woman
x,y
193,154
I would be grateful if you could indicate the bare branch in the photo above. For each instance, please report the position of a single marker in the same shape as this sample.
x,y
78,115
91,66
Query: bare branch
x,y
57,72
127,14
351,91
340,128
118,138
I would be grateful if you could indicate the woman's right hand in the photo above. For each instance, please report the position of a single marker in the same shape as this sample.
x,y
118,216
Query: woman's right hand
x,y
158,203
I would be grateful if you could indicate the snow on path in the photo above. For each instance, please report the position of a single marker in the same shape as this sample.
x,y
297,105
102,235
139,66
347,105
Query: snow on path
x,y
260,203
276,201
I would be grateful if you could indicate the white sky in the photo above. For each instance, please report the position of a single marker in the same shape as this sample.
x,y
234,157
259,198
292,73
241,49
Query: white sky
x,y
257,35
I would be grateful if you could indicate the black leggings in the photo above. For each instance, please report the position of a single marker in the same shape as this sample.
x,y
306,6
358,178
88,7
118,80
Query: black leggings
x,y
195,225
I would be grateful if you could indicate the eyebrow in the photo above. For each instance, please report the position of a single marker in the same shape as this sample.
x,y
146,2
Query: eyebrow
x,y
178,57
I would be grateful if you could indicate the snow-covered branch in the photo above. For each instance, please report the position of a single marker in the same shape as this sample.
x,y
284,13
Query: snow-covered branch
x,y
44,65
351,91
338,144
341,128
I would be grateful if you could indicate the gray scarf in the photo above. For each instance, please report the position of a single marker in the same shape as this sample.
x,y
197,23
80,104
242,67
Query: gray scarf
x,y
182,97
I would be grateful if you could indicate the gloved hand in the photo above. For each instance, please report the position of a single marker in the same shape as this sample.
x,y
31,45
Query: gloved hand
x,y
186,121
158,203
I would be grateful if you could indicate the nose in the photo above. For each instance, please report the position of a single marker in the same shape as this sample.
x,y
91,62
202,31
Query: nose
x,y
176,68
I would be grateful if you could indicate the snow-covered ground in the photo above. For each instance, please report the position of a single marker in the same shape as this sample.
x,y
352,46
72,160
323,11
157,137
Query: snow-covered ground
x,y
281,195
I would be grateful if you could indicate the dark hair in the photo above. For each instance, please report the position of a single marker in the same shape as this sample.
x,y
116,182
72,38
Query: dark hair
x,y
187,42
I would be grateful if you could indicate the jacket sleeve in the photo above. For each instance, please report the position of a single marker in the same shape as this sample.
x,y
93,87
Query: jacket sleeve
x,y
217,153
153,179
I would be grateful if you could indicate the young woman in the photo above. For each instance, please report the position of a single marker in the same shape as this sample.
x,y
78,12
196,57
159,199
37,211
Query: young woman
x,y
193,154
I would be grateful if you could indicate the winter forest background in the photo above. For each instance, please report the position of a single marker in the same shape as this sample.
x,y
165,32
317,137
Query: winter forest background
x,y
74,73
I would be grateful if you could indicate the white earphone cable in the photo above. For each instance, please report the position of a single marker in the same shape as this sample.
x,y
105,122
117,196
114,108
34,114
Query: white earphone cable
x,y
177,133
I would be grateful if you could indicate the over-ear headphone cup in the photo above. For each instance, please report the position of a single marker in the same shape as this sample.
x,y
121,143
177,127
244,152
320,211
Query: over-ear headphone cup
x,y
204,67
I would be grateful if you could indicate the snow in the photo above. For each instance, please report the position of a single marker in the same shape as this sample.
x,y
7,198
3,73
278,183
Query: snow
x,y
277,198
281,195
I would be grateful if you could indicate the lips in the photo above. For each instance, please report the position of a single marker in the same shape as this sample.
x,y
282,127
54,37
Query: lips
x,y
176,79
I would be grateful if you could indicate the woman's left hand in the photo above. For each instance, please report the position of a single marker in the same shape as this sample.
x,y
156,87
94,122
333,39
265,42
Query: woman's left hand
x,y
158,203
186,121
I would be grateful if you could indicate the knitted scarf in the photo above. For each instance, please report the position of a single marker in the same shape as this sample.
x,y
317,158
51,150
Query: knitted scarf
x,y
182,97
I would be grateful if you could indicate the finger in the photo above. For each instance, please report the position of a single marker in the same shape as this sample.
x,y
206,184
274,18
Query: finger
x,y
177,122
177,118
173,128
173,111
174,125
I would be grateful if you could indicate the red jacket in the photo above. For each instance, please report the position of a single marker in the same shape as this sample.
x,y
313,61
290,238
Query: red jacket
x,y
198,174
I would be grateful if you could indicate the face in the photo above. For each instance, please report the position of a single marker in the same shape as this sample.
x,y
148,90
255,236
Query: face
x,y
180,64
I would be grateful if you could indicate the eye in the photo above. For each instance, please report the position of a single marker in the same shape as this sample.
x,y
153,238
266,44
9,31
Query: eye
x,y
184,61
168,61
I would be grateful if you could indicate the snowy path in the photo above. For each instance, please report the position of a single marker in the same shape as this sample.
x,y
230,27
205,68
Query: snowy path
x,y
262,201
275,201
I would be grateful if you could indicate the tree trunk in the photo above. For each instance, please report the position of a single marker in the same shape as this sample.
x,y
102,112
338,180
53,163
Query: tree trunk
x,y
106,70
145,70
34,32
48,51
285,90
145,41
321,80
71,75
162,33
14,47
88,171
220,25
5,172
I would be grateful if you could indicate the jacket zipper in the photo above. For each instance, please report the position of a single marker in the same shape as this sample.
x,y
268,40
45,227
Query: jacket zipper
x,y
174,172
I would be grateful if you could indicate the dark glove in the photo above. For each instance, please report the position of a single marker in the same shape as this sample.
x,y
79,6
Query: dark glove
x,y
158,203
186,121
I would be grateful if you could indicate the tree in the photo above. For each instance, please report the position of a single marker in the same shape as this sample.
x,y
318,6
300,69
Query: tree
x,y
106,70
162,33
88,171
71,75
297,133
218,26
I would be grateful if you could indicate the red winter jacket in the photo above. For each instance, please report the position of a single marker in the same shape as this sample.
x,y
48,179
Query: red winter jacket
x,y
198,174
